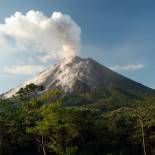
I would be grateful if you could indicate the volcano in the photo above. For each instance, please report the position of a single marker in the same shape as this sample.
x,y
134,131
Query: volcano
x,y
79,74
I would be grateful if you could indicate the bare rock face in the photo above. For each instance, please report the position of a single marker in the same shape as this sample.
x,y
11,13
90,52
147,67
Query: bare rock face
x,y
78,74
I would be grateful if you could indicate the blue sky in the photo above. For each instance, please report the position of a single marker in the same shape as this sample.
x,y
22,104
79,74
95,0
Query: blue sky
x,y
119,34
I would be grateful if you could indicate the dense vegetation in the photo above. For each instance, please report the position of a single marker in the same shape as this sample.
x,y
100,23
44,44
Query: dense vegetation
x,y
111,121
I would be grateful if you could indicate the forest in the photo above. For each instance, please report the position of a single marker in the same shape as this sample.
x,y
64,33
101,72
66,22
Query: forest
x,y
110,121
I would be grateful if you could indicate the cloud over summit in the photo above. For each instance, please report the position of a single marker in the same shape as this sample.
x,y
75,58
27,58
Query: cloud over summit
x,y
130,67
52,37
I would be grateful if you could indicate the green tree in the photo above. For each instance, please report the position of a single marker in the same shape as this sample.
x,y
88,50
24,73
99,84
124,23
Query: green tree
x,y
29,91
145,119
54,131
12,127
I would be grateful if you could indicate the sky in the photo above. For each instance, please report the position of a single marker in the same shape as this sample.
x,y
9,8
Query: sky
x,y
37,33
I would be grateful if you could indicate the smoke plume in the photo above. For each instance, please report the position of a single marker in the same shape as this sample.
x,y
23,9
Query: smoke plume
x,y
55,37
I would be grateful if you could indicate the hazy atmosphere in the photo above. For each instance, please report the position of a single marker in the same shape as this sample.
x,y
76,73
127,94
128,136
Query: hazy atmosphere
x,y
35,34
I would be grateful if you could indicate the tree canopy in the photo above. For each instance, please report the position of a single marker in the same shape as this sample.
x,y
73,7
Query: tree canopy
x,y
99,123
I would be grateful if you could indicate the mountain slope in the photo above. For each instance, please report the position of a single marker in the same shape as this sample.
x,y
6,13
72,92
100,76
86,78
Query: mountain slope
x,y
78,74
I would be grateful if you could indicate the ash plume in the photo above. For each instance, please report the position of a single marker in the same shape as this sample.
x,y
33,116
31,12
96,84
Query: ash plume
x,y
52,37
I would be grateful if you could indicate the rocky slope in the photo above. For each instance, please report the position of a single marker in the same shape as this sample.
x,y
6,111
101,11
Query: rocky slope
x,y
80,74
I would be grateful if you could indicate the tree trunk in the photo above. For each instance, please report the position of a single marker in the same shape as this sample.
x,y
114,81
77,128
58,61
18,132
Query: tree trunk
x,y
43,146
143,137
44,151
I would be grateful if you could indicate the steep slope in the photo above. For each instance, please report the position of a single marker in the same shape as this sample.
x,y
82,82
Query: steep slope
x,y
78,74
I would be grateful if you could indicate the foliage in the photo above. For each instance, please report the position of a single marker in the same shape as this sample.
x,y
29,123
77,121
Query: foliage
x,y
30,90
110,122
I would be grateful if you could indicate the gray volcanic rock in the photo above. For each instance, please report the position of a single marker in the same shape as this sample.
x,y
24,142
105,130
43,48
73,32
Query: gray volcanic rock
x,y
77,73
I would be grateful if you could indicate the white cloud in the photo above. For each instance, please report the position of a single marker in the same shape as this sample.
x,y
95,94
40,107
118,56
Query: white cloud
x,y
36,32
130,67
26,69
